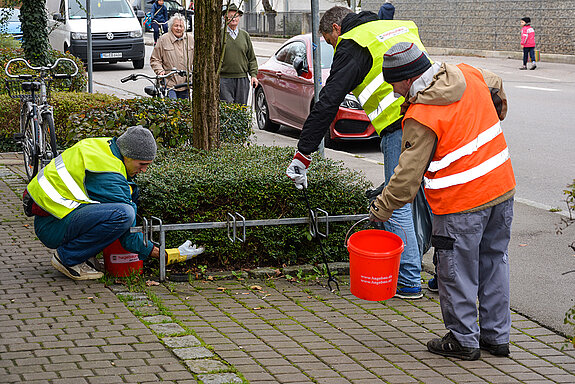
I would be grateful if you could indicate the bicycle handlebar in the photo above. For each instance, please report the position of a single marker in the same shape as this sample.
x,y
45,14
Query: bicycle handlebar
x,y
41,68
136,76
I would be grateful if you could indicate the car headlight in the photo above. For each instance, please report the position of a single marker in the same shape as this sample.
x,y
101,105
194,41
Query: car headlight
x,y
79,35
351,102
136,33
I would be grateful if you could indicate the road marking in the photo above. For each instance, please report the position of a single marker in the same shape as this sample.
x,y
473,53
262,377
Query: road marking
x,y
544,78
538,88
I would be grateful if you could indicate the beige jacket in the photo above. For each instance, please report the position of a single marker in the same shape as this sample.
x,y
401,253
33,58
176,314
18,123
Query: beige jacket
x,y
442,84
170,52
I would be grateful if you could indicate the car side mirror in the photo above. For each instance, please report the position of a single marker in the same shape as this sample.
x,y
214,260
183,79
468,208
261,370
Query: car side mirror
x,y
59,17
300,66
140,14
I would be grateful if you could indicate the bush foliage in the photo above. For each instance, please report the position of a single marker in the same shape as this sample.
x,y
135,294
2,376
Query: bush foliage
x,y
184,186
78,115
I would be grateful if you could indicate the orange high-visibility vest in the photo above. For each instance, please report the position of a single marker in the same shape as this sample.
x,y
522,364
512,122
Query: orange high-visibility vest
x,y
471,165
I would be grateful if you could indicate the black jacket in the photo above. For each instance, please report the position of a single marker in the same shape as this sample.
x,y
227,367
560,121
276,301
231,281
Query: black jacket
x,y
351,63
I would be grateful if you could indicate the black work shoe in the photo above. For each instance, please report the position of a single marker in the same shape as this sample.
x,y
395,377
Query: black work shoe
x,y
495,349
449,346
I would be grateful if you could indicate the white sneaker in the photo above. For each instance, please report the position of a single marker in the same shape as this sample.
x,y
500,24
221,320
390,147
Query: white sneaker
x,y
80,271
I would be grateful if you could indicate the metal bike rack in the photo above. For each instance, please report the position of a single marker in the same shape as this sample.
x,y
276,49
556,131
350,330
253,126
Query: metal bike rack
x,y
234,224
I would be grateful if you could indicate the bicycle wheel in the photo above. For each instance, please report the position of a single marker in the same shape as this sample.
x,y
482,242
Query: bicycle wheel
x,y
29,148
50,148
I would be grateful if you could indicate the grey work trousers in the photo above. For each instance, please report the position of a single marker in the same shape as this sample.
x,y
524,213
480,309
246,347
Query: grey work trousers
x,y
235,90
473,268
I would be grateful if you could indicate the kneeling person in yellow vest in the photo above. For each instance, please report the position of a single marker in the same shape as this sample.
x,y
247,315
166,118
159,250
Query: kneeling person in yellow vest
x,y
89,200
452,136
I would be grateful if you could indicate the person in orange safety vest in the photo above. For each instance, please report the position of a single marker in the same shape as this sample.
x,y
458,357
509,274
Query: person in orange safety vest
x,y
452,138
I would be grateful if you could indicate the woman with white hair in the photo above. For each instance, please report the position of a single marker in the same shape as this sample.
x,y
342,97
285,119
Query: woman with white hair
x,y
174,49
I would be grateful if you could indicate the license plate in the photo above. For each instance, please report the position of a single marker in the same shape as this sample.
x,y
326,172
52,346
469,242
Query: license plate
x,y
110,55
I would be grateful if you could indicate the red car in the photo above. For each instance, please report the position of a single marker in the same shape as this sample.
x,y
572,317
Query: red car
x,y
285,94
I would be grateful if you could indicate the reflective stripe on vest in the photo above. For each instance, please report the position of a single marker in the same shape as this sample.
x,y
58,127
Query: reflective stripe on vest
x,y
59,187
374,94
471,164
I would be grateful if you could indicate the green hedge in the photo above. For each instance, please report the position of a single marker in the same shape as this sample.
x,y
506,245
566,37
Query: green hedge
x,y
64,103
188,185
78,115
169,119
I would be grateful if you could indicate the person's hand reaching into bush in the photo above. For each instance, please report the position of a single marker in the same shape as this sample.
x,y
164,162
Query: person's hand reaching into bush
x,y
298,168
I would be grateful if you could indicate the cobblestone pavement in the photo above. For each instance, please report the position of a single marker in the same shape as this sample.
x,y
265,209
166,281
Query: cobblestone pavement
x,y
56,330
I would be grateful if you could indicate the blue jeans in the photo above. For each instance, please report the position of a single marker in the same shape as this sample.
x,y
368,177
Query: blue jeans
x,y
410,264
86,231
528,51
173,94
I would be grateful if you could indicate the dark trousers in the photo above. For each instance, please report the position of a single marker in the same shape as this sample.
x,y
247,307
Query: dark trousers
x,y
528,51
235,90
156,28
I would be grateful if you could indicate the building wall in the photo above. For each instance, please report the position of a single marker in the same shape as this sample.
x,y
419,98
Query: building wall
x,y
292,5
488,24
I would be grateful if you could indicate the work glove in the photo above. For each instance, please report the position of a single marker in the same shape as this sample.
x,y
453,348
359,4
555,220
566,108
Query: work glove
x,y
298,168
189,249
377,214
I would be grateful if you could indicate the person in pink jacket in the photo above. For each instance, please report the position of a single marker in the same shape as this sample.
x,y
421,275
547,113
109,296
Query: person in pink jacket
x,y
527,42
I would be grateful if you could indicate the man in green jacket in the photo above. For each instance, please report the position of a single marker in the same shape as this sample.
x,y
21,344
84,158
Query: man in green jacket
x,y
239,61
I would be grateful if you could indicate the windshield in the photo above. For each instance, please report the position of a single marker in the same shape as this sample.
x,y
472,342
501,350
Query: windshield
x,y
326,55
100,9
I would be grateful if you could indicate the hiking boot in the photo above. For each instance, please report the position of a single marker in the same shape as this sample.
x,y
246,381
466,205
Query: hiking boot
x,y
523,68
432,284
449,346
533,67
80,271
495,349
409,293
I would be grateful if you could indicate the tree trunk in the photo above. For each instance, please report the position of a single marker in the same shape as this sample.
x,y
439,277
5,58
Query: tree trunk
x,y
35,31
206,80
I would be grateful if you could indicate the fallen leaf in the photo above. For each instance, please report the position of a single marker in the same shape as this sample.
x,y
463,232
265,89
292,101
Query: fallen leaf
x,y
26,225
257,308
90,297
256,287
522,245
245,293
221,289
149,283
210,278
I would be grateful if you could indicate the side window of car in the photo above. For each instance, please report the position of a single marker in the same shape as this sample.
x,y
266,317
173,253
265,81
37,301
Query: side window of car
x,y
282,53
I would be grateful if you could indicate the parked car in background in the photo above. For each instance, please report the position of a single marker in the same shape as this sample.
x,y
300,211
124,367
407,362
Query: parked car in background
x,y
285,94
12,26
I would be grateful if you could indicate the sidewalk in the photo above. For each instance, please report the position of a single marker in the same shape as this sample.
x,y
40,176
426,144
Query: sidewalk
x,y
228,331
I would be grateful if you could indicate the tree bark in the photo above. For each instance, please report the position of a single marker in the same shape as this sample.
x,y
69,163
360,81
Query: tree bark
x,y
206,80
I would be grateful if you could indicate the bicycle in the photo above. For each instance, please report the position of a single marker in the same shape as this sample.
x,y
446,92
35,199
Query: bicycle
x,y
158,87
37,133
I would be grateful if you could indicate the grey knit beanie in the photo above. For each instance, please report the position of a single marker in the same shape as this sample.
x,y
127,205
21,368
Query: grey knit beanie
x,y
137,143
404,61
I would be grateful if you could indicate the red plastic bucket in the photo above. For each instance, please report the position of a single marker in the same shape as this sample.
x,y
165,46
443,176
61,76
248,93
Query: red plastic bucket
x,y
119,262
374,257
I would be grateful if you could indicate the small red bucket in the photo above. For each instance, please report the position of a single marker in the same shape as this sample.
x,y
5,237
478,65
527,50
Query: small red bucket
x,y
374,257
121,263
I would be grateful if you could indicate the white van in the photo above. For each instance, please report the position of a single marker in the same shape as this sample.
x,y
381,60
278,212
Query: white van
x,y
116,32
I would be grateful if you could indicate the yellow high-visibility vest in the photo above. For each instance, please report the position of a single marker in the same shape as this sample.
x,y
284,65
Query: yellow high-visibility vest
x,y
59,187
374,94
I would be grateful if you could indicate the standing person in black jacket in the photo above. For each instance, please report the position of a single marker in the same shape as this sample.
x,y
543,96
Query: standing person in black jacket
x,y
354,65
386,11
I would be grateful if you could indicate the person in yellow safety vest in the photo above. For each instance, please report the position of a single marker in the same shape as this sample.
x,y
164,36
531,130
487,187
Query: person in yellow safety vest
x,y
452,135
360,40
85,199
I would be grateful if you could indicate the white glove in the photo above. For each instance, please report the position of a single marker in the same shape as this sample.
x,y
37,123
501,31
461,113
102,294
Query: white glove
x,y
298,168
189,249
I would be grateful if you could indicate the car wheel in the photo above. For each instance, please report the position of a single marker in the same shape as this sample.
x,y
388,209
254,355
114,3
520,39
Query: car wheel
x,y
263,114
328,142
138,64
